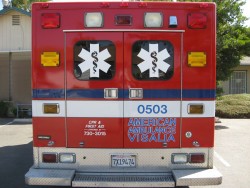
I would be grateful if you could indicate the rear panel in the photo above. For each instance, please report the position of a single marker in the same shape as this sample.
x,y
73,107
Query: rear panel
x,y
124,89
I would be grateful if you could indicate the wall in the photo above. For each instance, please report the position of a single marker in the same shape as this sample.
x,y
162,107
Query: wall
x,y
15,37
226,84
15,77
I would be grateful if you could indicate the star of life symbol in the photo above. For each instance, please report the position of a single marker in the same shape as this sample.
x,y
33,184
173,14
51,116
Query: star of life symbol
x,y
94,60
153,60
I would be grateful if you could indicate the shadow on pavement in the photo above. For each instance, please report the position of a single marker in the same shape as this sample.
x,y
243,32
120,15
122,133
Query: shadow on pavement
x,y
4,121
15,162
220,127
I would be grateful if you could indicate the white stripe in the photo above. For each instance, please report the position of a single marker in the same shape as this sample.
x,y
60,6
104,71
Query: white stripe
x,y
152,108
120,109
6,124
221,159
95,108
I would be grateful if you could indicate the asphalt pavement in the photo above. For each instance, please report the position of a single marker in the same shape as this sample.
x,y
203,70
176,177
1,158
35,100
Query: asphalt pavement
x,y
231,158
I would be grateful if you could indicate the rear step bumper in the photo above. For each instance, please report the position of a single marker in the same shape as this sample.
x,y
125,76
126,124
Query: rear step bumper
x,y
71,178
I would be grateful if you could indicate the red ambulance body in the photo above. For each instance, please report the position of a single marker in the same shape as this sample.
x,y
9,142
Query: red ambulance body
x,y
123,94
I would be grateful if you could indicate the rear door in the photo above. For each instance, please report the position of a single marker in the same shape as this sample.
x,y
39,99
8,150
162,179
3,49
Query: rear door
x,y
94,89
123,89
152,89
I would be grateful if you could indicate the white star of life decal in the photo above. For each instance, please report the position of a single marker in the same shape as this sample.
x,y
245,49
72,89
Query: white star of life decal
x,y
153,60
94,60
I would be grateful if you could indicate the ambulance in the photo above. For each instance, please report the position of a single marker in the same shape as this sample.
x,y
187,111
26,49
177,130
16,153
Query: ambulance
x,y
123,94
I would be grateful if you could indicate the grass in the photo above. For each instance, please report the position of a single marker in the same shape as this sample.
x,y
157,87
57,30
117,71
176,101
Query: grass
x,y
233,106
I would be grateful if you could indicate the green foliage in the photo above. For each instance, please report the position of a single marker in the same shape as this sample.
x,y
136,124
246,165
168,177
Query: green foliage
x,y
233,38
233,106
3,109
25,4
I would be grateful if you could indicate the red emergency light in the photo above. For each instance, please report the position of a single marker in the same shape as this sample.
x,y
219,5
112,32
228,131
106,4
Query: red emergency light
x,y
50,20
123,20
197,21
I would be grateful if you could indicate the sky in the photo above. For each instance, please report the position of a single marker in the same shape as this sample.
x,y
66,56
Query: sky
x,y
246,8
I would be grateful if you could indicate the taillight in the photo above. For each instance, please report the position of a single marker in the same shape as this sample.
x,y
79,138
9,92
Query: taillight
x,y
50,158
197,21
183,158
197,158
50,20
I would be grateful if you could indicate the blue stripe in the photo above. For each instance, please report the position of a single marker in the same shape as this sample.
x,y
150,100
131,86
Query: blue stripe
x,y
89,93
198,93
147,93
158,93
48,93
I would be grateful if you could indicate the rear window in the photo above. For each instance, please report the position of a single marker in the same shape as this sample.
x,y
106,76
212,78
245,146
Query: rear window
x,y
94,60
152,60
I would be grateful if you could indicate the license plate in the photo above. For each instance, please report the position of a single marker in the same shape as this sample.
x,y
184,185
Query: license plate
x,y
123,160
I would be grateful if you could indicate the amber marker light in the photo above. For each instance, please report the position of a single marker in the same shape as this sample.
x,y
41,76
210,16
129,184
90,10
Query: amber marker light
x,y
50,59
197,59
51,108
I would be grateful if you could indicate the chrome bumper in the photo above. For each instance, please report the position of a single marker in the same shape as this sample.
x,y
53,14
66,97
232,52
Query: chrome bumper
x,y
60,177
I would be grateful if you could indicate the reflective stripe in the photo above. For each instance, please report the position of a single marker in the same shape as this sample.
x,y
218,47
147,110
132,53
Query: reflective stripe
x,y
131,108
95,108
147,93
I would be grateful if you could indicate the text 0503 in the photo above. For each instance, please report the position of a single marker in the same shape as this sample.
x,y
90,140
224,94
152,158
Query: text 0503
x,y
155,109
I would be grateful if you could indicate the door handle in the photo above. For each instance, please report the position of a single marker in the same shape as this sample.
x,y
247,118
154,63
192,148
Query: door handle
x,y
110,93
135,93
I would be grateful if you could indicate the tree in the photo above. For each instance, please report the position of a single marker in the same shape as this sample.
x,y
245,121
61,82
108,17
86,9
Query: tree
x,y
233,38
25,4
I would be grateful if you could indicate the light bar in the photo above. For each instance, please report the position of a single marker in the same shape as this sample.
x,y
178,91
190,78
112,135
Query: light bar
x,y
153,19
93,19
